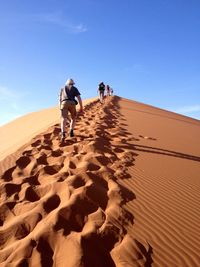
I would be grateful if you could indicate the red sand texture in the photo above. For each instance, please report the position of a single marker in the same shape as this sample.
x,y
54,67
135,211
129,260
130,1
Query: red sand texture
x,y
125,191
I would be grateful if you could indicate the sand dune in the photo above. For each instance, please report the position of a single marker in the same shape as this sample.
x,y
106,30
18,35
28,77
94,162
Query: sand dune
x,y
125,191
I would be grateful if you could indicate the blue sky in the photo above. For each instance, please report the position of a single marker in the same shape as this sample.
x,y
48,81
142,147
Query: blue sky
x,y
148,51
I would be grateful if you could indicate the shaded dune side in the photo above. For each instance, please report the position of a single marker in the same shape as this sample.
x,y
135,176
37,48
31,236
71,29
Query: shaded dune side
x,y
62,204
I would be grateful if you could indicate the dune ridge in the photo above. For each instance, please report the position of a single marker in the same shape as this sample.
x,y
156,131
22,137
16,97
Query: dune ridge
x,y
123,192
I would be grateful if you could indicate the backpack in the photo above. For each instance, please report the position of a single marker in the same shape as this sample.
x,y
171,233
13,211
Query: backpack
x,y
67,95
101,87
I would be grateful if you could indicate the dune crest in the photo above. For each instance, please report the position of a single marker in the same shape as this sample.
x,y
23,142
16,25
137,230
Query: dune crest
x,y
110,196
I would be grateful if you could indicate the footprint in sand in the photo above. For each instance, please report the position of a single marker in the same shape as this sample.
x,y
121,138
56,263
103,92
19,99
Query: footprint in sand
x,y
31,180
47,136
51,203
23,162
36,143
51,170
30,194
7,176
56,153
76,181
42,160
12,188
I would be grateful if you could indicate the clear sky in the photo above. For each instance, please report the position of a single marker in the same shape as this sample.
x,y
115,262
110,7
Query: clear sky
x,y
147,50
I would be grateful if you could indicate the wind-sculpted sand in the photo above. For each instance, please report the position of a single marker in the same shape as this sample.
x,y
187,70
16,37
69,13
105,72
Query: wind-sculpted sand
x,y
120,193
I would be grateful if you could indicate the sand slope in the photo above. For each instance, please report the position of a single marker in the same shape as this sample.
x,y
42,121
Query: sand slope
x,y
15,134
125,191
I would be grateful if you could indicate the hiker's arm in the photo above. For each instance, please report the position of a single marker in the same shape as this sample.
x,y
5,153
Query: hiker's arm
x,y
80,102
60,98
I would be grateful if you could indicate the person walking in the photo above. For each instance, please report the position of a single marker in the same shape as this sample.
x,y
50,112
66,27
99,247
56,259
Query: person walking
x,y
101,89
111,91
68,105
107,90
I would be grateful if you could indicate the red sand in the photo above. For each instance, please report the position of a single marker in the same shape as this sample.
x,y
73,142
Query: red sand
x,y
125,191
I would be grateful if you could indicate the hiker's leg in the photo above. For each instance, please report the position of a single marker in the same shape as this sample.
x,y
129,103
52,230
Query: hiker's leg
x,y
63,124
101,96
72,124
72,110
64,119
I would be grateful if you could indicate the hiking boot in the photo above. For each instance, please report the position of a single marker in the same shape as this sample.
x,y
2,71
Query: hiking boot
x,y
62,136
71,133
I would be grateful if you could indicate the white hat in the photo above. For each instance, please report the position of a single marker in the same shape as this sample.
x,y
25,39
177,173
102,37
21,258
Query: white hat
x,y
70,82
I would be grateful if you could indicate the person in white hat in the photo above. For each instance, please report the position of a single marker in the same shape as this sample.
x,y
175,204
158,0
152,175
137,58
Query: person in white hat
x,y
68,105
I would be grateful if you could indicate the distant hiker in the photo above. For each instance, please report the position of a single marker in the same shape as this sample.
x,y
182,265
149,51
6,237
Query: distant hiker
x,y
101,89
107,90
111,91
68,104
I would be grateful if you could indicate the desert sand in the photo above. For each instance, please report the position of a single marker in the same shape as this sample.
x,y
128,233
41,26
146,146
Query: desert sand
x,y
124,192
18,132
